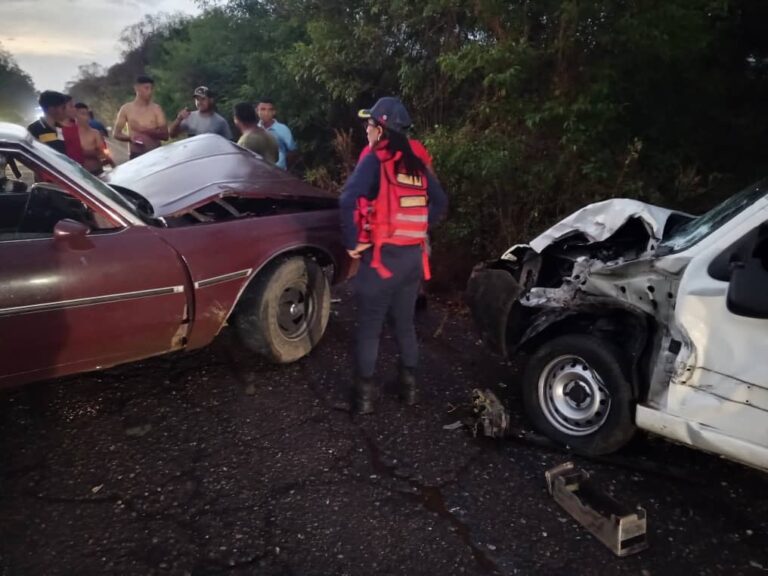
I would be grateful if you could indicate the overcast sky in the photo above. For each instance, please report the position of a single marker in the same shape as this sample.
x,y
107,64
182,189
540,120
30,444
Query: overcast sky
x,y
51,38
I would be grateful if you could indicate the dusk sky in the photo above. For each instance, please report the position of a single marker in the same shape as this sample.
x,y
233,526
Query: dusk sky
x,y
51,38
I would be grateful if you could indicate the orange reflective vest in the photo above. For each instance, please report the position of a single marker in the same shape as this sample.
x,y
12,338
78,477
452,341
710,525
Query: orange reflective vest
x,y
399,215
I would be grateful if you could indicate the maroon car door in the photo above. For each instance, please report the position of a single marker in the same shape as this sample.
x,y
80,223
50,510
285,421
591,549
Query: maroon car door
x,y
76,304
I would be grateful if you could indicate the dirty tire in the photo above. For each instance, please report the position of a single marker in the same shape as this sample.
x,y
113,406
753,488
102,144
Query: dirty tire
x,y
580,363
284,312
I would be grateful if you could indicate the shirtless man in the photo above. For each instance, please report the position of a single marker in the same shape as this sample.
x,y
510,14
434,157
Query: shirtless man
x,y
94,149
145,119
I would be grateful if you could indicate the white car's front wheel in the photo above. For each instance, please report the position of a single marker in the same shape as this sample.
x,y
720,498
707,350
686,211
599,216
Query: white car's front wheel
x,y
575,392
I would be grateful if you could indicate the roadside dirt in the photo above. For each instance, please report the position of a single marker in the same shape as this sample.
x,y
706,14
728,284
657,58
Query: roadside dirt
x,y
200,464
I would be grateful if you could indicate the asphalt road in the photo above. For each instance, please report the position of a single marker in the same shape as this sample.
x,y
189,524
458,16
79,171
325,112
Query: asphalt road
x,y
212,463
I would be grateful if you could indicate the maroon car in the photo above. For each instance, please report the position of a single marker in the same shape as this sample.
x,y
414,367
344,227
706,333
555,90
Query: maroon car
x,y
179,243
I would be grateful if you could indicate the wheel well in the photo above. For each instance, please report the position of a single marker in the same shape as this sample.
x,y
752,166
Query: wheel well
x,y
319,255
324,260
628,331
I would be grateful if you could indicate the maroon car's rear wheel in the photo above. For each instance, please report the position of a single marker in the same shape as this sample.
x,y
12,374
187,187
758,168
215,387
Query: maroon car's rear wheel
x,y
283,314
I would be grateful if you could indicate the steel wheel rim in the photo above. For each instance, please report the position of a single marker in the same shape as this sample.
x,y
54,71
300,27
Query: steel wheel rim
x,y
573,397
295,310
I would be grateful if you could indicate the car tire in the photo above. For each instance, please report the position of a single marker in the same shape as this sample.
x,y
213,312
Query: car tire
x,y
284,313
576,393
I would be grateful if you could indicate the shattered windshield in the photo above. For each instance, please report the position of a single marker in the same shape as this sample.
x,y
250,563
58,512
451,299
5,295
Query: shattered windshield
x,y
699,228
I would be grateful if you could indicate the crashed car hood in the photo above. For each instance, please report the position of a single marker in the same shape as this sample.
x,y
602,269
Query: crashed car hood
x,y
600,220
186,174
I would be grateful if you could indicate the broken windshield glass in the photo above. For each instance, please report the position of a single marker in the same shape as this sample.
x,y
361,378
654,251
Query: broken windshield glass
x,y
699,228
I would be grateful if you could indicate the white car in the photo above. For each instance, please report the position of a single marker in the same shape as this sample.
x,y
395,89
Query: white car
x,y
634,316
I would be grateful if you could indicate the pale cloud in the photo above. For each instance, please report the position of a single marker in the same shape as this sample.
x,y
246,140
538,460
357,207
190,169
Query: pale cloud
x,y
53,46
51,38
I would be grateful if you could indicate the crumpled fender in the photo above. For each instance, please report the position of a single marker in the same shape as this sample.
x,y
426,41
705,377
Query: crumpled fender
x,y
595,314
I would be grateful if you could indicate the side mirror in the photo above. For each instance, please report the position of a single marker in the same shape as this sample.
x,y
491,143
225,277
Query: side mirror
x,y
748,288
70,230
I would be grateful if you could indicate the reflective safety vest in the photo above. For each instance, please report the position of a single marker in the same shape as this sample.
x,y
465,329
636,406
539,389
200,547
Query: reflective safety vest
x,y
399,215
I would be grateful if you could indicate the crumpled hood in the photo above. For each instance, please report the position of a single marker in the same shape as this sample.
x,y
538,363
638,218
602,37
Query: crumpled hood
x,y
599,221
188,173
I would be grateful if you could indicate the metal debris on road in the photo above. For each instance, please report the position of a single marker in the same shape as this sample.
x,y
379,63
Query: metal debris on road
x,y
485,413
490,413
138,431
615,525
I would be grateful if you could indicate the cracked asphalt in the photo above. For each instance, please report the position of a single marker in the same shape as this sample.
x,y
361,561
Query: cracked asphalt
x,y
212,463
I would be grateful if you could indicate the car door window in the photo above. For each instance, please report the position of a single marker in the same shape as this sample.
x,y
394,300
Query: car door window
x,y
33,201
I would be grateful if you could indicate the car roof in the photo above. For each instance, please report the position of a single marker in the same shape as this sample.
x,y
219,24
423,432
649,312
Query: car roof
x,y
13,133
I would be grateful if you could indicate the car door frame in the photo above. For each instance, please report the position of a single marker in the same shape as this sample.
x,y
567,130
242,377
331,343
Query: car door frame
x,y
179,292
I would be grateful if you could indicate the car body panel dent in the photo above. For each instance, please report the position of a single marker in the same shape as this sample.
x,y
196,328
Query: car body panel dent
x,y
137,284
599,221
186,174
701,436
619,266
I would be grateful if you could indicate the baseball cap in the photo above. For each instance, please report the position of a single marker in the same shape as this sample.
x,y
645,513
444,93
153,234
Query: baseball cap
x,y
203,92
389,112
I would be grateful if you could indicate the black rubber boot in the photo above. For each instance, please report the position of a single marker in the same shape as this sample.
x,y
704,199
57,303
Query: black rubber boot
x,y
364,396
408,392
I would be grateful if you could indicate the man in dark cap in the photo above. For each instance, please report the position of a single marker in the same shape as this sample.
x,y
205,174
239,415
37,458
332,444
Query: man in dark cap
x,y
204,120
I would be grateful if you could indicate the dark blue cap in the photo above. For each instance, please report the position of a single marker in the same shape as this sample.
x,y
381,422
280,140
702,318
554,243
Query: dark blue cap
x,y
388,112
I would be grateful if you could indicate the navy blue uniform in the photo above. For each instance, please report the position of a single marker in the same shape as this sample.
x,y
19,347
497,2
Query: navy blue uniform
x,y
376,295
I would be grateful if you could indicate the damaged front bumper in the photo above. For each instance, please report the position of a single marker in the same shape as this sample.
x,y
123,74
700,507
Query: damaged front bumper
x,y
491,293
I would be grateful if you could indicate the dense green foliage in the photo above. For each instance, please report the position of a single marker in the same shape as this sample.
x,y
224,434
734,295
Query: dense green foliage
x,y
530,108
17,93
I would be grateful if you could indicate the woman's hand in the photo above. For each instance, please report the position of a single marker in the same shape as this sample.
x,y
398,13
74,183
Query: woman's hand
x,y
358,251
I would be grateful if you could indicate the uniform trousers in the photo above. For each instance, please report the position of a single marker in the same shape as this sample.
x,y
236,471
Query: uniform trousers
x,y
394,297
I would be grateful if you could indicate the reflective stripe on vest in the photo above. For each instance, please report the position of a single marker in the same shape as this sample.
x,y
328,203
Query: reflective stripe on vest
x,y
414,218
410,233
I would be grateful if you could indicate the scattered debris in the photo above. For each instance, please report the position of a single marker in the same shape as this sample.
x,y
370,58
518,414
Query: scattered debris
x,y
490,413
440,328
138,431
485,412
619,528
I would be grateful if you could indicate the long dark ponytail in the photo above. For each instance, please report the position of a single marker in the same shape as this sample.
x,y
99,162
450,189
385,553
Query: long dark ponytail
x,y
409,162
